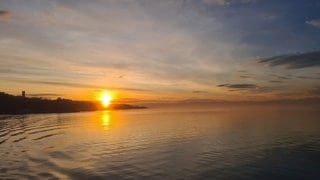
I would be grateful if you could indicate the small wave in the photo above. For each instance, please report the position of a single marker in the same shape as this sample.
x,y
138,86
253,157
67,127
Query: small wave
x,y
20,139
3,141
44,130
46,136
17,133
4,134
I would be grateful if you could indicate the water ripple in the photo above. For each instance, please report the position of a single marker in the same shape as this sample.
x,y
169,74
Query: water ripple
x,y
175,145
46,136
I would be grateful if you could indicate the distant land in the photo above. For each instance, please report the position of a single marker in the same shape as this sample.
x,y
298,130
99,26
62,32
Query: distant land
x,y
10,104
312,103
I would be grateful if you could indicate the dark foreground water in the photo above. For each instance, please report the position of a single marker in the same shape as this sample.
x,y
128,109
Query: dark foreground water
x,y
156,144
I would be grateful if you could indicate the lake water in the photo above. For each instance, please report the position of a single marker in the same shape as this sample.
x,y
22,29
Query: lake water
x,y
162,144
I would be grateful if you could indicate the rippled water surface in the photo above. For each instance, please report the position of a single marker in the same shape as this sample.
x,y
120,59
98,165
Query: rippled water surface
x,y
155,144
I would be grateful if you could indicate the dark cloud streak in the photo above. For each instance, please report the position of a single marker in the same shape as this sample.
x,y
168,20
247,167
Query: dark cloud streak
x,y
275,81
238,86
245,76
5,15
199,92
293,61
307,77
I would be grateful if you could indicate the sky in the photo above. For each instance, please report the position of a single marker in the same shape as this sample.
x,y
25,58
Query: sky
x,y
151,50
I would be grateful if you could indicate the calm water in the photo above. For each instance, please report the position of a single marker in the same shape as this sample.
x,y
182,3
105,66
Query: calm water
x,y
158,144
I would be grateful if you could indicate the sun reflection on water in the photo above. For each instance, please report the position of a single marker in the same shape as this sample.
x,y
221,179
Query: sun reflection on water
x,y
105,120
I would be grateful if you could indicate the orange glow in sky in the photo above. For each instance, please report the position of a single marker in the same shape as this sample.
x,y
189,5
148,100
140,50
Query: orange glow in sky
x,y
175,51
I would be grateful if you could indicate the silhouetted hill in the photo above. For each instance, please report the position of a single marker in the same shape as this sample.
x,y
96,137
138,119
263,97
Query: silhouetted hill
x,y
10,104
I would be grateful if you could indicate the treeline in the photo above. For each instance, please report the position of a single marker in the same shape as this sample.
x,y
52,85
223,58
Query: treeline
x,y
10,104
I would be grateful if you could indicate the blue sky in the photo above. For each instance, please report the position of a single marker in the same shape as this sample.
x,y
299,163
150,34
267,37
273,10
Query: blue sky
x,y
161,50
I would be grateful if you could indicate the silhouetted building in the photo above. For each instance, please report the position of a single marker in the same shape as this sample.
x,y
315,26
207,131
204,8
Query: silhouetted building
x,y
23,94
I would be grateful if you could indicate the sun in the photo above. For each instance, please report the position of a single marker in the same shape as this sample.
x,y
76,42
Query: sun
x,y
105,99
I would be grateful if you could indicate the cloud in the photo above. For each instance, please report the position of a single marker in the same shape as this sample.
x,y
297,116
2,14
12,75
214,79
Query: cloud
x,y
287,77
314,22
315,91
293,61
199,92
245,76
76,85
87,86
225,2
253,88
308,77
218,2
44,94
275,81
5,15
238,86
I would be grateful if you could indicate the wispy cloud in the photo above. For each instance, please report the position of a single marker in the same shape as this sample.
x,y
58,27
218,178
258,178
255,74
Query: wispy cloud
x,y
76,85
225,2
239,86
275,81
282,77
44,95
294,61
315,91
218,2
199,92
308,77
5,15
314,22
244,76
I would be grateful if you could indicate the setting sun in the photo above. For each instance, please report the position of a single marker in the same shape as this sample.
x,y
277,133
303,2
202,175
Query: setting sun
x,y
106,99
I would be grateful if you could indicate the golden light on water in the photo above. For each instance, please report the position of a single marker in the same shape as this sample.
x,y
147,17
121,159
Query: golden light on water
x,y
105,120
106,99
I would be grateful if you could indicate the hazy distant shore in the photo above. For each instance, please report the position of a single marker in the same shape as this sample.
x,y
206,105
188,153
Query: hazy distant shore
x,y
10,104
